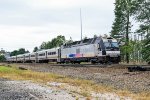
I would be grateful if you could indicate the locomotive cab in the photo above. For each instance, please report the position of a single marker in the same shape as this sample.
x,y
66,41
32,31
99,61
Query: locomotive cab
x,y
112,50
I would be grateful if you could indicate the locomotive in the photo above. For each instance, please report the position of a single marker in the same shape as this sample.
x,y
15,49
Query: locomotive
x,y
94,50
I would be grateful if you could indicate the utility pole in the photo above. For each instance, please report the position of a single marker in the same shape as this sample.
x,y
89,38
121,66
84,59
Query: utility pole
x,y
81,22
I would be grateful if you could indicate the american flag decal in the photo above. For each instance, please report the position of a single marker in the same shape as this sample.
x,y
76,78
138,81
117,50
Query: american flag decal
x,y
78,55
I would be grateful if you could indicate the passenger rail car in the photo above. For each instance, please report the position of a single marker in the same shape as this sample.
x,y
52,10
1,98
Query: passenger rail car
x,y
20,58
94,50
47,55
33,57
27,57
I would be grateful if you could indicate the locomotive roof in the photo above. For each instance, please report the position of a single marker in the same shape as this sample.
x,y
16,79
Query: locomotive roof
x,y
88,41
44,50
107,39
83,42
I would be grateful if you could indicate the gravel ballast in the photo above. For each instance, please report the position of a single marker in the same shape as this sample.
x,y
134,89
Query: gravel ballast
x,y
116,76
26,90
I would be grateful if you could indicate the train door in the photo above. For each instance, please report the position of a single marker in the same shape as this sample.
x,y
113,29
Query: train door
x,y
16,59
36,57
29,58
99,49
59,55
23,58
95,49
102,48
46,54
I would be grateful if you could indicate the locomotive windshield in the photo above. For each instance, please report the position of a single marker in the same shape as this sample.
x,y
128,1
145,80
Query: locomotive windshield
x,y
111,46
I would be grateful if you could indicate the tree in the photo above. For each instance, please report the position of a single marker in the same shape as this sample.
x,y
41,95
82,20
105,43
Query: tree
x,y
124,10
43,45
118,27
142,16
55,42
95,36
17,52
21,51
146,49
35,49
2,58
59,40
69,41
14,53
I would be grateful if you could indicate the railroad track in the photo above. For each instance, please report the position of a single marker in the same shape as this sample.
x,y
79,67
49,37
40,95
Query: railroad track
x,y
72,65
130,67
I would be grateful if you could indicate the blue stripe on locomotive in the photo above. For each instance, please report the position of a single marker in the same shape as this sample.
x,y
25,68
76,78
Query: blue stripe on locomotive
x,y
72,55
75,55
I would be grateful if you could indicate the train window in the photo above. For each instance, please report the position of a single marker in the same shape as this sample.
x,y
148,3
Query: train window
x,y
111,45
54,53
43,54
32,55
115,44
51,53
99,46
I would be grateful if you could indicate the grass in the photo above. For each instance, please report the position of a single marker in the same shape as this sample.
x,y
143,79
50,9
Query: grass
x,y
83,87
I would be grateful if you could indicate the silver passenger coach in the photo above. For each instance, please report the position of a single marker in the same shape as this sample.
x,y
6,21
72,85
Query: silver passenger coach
x,y
94,50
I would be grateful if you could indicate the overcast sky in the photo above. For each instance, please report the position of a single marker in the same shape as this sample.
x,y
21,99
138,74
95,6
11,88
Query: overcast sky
x,y
27,23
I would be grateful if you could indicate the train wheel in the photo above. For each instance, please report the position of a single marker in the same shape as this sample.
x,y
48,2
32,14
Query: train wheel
x,y
93,62
72,62
79,62
67,61
109,62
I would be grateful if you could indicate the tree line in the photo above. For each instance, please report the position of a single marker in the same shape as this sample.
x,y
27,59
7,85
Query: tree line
x,y
19,51
55,42
137,43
